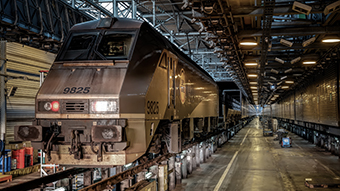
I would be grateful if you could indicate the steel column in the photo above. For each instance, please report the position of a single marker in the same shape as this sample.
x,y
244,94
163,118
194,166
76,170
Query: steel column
x,y
172,175
115,9
178,169
2,90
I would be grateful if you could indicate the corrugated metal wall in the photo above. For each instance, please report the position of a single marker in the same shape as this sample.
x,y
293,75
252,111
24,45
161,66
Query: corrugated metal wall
x,y
23,61
317,102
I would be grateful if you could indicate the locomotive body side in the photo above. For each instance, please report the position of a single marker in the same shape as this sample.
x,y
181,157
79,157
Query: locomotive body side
x,y
103,103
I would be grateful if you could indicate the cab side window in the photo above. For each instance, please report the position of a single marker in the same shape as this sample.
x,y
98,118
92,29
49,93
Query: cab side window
x,y
163,62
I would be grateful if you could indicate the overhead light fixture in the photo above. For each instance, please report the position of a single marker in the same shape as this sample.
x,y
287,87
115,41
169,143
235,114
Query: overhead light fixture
x,y
308,42
279,83
279,60
331,39
295,60
309,62
274,71
248,42
284,77
289,70
289,82
270,83
272,87
332,8
285,87
255,94
254,91
286,42
301,8
253,83
271,77
250,64
252,75
276,95
253,87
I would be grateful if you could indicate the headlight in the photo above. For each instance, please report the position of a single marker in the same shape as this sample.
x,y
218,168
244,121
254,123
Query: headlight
x,y
104,106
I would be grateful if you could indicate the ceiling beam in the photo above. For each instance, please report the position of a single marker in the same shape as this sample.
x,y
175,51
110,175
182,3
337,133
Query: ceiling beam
x,y
291,31
276,47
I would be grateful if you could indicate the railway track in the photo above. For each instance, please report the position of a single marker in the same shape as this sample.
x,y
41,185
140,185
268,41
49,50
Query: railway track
x,y
108,183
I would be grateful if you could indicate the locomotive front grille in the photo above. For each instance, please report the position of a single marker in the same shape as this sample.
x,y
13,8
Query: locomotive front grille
x,y
75,106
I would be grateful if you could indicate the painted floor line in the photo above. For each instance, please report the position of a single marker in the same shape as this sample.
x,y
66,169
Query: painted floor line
x,y
329,170
217,187
297,145
245,137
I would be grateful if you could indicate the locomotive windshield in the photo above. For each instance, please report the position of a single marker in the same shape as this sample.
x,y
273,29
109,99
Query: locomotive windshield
x,y
86,46
115,45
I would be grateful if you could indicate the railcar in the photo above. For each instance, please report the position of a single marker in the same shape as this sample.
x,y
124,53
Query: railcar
x,y
118,89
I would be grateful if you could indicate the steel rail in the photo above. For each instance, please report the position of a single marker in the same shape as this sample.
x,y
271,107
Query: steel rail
x,y
107,183
46,179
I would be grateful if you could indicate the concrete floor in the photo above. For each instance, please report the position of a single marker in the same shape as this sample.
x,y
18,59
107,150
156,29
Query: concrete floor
x,y
250,161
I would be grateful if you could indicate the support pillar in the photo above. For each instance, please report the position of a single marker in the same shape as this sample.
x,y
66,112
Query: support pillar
x,y
172,175
198,160
141,176
105,173
88,178
194,163
154,13
202,153
115,8
178,170
134,9
184,164
163,177
125,184
2,90
189,161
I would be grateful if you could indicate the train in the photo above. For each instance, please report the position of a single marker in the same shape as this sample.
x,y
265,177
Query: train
x,y
117,90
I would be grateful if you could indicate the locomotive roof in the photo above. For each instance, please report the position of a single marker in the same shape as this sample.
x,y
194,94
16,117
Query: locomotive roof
x,y
118,23
124,23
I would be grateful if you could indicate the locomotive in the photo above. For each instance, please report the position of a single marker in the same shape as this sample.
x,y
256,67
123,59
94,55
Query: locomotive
x,y
118,89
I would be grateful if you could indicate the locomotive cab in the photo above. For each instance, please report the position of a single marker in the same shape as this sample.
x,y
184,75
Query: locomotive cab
x,y
112,84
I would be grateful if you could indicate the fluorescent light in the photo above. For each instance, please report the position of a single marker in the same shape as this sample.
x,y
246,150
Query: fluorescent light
x,y
284,77
253,87
254,91
308,42
295,60
279,60
285,87
274,71
253,83
309,62
289,70
286,42
273,78
252,75
250,64
276,95
330,39
248,42
289,82
255,94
